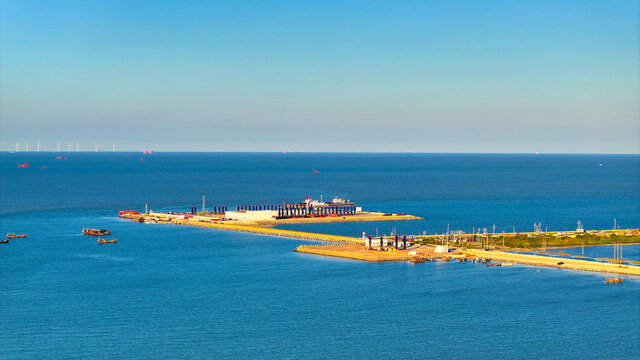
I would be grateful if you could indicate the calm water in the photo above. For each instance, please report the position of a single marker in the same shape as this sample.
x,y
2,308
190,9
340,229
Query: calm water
x,y
165,291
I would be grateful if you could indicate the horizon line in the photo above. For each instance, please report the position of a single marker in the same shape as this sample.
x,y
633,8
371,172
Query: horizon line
x,y
308,152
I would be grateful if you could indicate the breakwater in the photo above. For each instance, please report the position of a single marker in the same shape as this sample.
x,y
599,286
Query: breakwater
x,y
352,252
557,262
272,232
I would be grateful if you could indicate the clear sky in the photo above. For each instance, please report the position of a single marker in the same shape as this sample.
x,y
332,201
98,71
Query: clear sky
x,y
421,76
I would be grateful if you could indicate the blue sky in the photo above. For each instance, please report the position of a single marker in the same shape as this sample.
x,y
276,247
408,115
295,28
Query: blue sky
x,y
422,76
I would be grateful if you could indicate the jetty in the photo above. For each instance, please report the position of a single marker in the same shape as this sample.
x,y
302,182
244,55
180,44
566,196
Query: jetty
x,y
270,231
360,252
557,262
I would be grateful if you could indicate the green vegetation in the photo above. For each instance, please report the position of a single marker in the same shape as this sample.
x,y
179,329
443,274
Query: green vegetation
x,y
564,241
523,241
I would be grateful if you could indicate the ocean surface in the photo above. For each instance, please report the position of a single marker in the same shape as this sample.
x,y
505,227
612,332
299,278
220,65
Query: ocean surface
x,y
165,291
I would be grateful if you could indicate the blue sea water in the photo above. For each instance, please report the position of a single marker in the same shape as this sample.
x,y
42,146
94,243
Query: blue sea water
x,y
179,292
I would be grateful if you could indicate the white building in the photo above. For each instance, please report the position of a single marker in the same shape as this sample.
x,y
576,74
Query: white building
x,y
442,249
375,242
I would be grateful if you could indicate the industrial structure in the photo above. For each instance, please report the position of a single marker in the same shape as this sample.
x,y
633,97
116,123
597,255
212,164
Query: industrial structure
x,y
307,208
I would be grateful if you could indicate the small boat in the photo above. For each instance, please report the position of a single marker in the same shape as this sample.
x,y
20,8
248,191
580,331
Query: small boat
x,y
5,241
103,241
416,260
13,236
614,280
507,264
96,232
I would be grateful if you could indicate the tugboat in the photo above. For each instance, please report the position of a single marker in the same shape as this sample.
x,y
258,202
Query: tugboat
x,y
103,241
614,280
13,236
96,232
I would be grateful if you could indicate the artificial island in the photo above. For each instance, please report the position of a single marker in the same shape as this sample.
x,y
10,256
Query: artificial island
x,y
503,249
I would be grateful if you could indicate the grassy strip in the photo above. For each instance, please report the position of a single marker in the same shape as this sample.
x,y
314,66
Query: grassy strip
x,y
523,241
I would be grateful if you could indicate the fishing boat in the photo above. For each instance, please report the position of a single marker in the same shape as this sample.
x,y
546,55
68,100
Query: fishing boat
x,y
13,236
614,280
96,232
104,241
5,241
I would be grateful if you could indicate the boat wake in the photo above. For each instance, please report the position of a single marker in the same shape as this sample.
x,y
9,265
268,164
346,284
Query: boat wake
x,y
103,257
